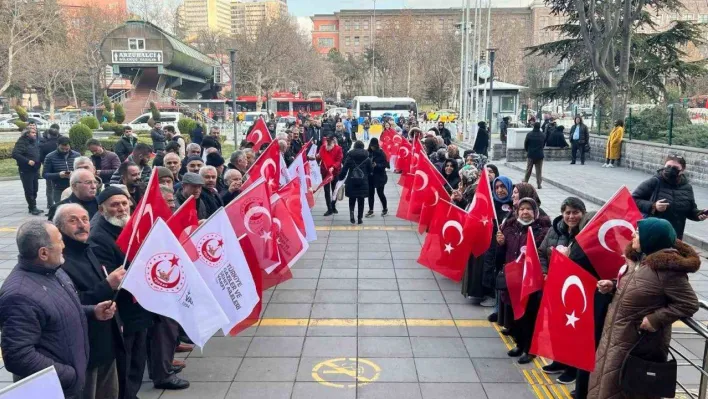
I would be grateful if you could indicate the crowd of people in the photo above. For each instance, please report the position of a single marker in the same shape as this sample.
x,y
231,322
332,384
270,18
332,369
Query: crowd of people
x,y
57,306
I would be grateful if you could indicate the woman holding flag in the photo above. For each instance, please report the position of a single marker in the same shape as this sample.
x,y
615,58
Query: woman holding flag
x,y
512,239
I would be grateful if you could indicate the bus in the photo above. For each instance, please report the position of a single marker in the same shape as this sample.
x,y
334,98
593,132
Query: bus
x,y
287,104
375,108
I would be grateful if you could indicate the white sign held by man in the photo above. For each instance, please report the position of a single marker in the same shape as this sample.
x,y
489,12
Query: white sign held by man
x,y
223,266
163,279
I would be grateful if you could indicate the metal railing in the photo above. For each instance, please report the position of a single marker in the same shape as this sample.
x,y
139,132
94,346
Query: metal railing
x,y
161,99
701,330
120,96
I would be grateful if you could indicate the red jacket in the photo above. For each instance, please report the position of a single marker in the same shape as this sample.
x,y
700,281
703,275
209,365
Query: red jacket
x,y
330,159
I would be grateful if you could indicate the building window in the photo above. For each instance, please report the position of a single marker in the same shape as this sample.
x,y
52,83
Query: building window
x,y
365,26
325,42
507,104
704,18
356,40
356,25
688,17
327,28
347,40
136,44
346,25
378,25
366,40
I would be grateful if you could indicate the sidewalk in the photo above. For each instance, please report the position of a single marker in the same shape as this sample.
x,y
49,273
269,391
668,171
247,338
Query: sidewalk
x,y
594,183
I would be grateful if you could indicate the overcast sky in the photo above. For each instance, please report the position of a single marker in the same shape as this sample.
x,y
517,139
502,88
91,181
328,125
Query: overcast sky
x,y
306,8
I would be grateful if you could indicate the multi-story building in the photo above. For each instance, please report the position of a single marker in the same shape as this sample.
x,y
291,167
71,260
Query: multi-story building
x,y
247,16
201,15
325,33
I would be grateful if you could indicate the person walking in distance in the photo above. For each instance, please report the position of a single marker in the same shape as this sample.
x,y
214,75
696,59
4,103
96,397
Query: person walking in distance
x,y
356,169
26,154
533,145
579,139
378,177
614,145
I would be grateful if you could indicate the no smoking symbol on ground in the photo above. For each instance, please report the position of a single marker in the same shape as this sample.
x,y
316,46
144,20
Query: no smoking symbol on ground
x,y
346,372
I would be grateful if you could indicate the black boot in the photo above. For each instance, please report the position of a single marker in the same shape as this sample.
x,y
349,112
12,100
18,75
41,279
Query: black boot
x,y
334,207
351,217
329,210
360,221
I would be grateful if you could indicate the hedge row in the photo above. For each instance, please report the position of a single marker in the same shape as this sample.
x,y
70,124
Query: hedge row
x,y
108,143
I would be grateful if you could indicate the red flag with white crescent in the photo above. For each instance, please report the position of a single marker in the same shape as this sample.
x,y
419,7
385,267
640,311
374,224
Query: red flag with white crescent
x,y
427,188
604,238
524,276
481,216
183,222
565,326
149,208
266,166
259,135
291,194
251,217
447,247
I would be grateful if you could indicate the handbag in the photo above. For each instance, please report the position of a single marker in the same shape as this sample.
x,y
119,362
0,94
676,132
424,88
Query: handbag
x,y
648,378
500,283
340,193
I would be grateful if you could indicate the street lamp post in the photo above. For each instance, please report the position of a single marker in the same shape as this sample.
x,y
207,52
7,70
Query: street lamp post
x,y
491,90
232,56
373,50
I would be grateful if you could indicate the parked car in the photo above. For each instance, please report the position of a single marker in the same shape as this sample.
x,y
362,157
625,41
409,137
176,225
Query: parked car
x,y
166,118
336,110
42,124
283,123
250,117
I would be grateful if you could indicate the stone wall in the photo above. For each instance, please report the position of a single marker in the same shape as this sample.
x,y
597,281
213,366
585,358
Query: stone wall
x,y
549,154
649,157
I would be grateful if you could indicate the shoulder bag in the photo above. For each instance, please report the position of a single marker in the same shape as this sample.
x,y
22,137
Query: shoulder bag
x,y
648,378
654,195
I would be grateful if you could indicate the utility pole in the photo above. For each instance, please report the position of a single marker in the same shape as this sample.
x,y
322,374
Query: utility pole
x,y
489,21
463,34
468,100
373,51
491,91
232,55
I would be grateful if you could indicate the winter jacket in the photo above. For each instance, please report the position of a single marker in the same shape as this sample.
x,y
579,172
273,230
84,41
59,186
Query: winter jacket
x,y
124,147
558,234
584,134
88,277
533,145
378,177
655,287
211,142
680,197
330,159
481,143
57,162
43,324
90,206
556,138
144,173
207,204
197,135
446,135
515,237
453,179
159,140
102,239
47,145
614,143
106,164
26,149
356,188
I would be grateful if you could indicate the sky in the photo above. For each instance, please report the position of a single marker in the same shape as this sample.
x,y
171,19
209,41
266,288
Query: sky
x,y
306,8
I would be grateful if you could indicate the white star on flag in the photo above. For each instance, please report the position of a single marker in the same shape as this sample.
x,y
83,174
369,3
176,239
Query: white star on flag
x,y
571,319
266,236
448,248
485,221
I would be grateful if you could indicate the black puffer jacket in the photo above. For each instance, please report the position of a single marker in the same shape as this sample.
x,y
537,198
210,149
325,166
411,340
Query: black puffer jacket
x,y
102,239
159,140
26,149
47,145
57,162
124,147
378,177
558,234
682,203
356,158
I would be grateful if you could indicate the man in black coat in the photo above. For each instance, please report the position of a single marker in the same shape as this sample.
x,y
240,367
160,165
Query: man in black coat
x,y
83,192
315,133
579,137
27,155
47,144
159,141
114,211
58,166
93,286
533,145
193,185
124,146
212,140
43,322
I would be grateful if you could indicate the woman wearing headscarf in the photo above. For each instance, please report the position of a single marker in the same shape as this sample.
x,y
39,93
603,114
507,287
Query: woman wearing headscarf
x,y
652,291
377,178
502,187
463,195
525,190
450,172
511,239
481,143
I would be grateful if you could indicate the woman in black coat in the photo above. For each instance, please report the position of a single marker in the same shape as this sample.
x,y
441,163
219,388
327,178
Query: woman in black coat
x,y
377,178
481,143
356,170
451,173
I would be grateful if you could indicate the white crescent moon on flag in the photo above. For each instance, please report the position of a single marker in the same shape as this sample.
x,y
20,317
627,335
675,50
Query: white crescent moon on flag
x,y
607,226
456,225
146,211
425,179
277,221
574,280
406,150
437,198
265,164
253,212
397,137
260,135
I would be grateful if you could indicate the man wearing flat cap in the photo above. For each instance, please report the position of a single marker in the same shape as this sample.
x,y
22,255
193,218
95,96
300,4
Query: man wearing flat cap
x,y
192,185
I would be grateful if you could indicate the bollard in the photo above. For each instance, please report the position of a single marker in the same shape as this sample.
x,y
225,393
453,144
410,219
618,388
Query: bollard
x,y
671,123
599,120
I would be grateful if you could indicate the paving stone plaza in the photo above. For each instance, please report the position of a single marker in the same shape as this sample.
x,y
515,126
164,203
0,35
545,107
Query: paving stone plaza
x,y
361,319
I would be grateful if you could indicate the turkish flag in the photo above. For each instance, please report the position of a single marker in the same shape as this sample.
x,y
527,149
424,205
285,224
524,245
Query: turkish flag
x,y
446,247
404,202
386,141
481,216
149,208
524,276
291,242
427,188
291,194
328,179
259,134
255,315
403,162
251,218
308,189
565,326
604,238
183,222
266,166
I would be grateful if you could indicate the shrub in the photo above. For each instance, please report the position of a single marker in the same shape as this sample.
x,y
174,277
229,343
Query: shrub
x,y
107,106
110,142
116,128
653,123
691,136
79,134
22,113
119,113
186,125
21,125
6,150
154,111
89,121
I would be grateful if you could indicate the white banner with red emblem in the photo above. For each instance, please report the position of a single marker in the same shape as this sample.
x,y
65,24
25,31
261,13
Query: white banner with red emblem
x,y
163,279
223,266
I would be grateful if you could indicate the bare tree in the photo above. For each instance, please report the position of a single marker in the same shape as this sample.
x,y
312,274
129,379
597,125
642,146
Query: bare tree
x,y
162,13
22,24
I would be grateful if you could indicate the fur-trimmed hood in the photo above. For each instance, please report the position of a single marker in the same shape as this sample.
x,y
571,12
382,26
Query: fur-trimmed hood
x,y
681,258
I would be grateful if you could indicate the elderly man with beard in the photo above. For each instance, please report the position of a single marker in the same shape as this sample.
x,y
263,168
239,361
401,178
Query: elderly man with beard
x,y
233,180
93,287
114,210
141,158
83,192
